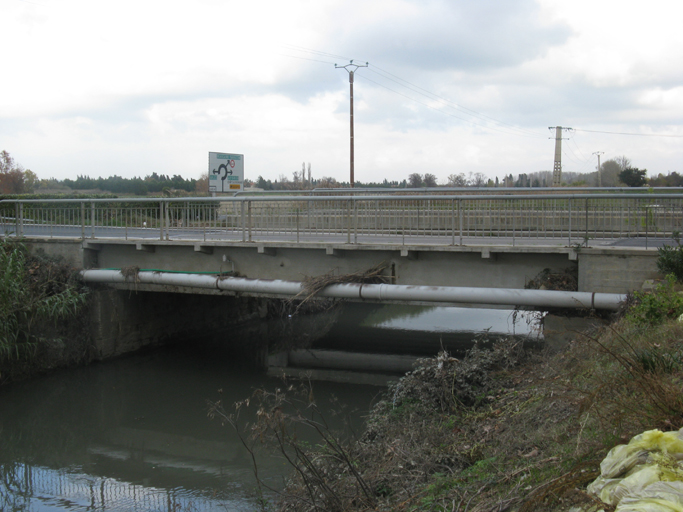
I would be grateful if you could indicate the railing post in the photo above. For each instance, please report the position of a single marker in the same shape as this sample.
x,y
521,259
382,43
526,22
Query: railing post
x,y
348,221
460,219
569,243
585,236
161,220
355,221
512,203
17,229
452,221
403,225
249,218
244,224
167,217
297,226
82,221
92,219
647,226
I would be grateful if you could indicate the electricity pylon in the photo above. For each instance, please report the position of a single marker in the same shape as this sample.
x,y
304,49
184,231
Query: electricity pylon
x,y
557,168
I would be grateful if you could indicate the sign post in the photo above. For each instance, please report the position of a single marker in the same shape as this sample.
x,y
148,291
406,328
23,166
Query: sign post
x,y
226,172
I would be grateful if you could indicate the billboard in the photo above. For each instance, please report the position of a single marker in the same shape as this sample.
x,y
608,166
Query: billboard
x,y
226,172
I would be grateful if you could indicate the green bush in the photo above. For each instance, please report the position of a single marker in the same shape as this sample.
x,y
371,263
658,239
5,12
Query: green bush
x,y
25,301
662,303
670,260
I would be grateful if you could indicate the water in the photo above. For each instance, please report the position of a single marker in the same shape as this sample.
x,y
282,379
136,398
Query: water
x,y
423,330
133,434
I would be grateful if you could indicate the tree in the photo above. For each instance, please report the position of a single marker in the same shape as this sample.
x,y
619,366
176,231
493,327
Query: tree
x,y
415,180
672,179
13,177
202,184
477,179
457,180
430,180
633,177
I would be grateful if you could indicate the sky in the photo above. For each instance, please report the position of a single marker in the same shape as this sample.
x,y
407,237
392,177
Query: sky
x,y
129,88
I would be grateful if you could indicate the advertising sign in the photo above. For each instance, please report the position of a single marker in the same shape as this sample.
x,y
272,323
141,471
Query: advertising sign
x,y
226,172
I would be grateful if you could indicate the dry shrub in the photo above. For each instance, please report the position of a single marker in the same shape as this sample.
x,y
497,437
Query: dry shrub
x,y
637,378
326,475
445,383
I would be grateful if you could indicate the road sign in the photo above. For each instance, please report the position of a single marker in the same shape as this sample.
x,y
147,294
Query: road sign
x,y
226,172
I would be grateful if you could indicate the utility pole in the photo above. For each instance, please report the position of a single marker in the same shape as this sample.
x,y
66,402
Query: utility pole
x,y
599,172
351,73
557,168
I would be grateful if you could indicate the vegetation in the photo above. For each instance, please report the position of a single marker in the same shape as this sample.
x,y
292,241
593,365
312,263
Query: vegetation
x,y
32,291
500,429
633,177
14,179
670,260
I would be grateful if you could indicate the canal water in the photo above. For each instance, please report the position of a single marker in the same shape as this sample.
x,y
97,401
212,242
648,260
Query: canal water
x,y
134,434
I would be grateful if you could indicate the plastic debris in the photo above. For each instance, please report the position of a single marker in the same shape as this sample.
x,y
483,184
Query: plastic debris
x,y
645,475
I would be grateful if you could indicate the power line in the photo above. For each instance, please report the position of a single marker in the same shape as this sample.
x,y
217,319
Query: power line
x,y
443,112
419,90
427,93
305,58
315,52
627,133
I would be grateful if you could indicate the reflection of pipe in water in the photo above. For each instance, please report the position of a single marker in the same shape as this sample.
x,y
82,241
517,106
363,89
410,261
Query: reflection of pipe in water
x,y
166,461
375,292
172,445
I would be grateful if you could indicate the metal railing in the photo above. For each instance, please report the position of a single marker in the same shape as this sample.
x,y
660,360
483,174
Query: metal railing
x,y
430,219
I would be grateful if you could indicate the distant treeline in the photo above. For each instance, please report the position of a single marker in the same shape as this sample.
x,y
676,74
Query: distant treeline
x,y
153,184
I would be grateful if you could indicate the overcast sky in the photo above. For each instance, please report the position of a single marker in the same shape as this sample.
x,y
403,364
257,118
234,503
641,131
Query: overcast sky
x,y
134,87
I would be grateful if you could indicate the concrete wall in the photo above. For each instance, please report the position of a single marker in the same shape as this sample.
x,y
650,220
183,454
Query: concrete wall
x,y
609,270
125,321
419,265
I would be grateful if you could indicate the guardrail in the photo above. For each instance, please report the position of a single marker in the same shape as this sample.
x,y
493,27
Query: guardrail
x,y
432,219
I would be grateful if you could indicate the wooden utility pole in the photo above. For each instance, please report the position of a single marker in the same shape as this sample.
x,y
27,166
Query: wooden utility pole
x,y
351,73
599,172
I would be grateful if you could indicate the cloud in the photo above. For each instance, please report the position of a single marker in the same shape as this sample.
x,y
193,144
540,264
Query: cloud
x,y
446,35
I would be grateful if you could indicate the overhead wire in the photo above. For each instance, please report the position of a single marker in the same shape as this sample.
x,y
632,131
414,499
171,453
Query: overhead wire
x,y
431,95
512,130
629,133
441,111
306,58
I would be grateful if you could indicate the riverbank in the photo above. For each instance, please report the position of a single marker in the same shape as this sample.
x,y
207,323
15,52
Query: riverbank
x,y
42,302
497,430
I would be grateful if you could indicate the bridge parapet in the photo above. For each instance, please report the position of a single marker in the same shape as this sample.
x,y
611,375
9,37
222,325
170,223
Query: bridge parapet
x,y
554,219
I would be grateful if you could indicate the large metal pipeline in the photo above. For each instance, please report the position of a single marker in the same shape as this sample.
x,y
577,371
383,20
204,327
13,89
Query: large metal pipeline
x,y
372,292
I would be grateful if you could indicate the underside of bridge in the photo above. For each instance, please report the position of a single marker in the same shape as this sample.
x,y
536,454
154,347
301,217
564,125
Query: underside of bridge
x,y
604,270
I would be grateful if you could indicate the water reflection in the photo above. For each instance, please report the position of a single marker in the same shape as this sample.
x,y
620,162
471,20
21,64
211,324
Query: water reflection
x,y
423,330
133,434
450,319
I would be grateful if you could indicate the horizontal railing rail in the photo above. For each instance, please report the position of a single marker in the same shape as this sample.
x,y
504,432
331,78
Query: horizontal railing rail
x,y
426,218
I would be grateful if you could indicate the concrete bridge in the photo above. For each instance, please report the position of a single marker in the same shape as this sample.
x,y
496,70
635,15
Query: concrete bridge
x,y
453,248
483,240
